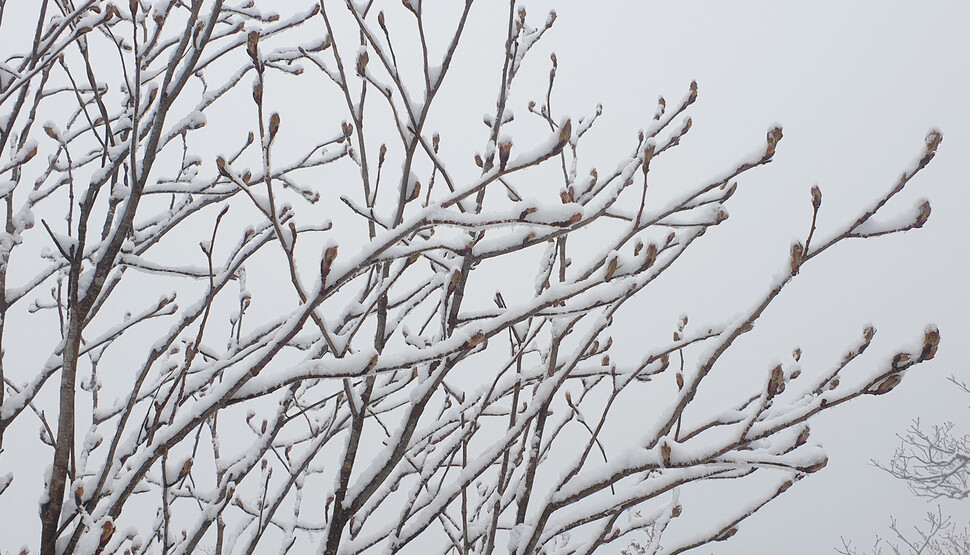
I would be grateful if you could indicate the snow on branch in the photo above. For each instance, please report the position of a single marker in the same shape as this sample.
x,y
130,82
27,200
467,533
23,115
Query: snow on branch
x,y
256,325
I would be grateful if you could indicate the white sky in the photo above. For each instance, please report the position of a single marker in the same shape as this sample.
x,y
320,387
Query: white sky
x,y
856,87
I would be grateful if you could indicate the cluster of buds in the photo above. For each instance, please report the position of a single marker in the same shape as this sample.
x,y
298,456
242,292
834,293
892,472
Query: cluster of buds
x,y
902,361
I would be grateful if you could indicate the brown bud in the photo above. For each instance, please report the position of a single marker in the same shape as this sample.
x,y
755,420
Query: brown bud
x,y
899,359
186,467
274,125
565,133
107,530
887,385
721,215
51,132
504,149
724,536
650,257
611,268
816,197
475,340
693,92
30,155
680,381
797,250
454,281
415,192
784,487
803,436
776,383
933,140
931,342
258,93
326,262
251,41
665,453
924,214
221,164
797,354
773,138
362,60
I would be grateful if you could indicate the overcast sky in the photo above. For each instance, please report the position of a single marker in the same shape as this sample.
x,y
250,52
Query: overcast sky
x,y
856,87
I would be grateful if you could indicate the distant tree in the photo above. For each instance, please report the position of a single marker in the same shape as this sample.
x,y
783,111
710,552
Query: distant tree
x,y
934,463
940,535
240,324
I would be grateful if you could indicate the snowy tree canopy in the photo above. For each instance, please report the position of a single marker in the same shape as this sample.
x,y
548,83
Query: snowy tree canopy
x,y
270,307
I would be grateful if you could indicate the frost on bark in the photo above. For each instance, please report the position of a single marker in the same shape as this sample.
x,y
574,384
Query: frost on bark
x,y
239,328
